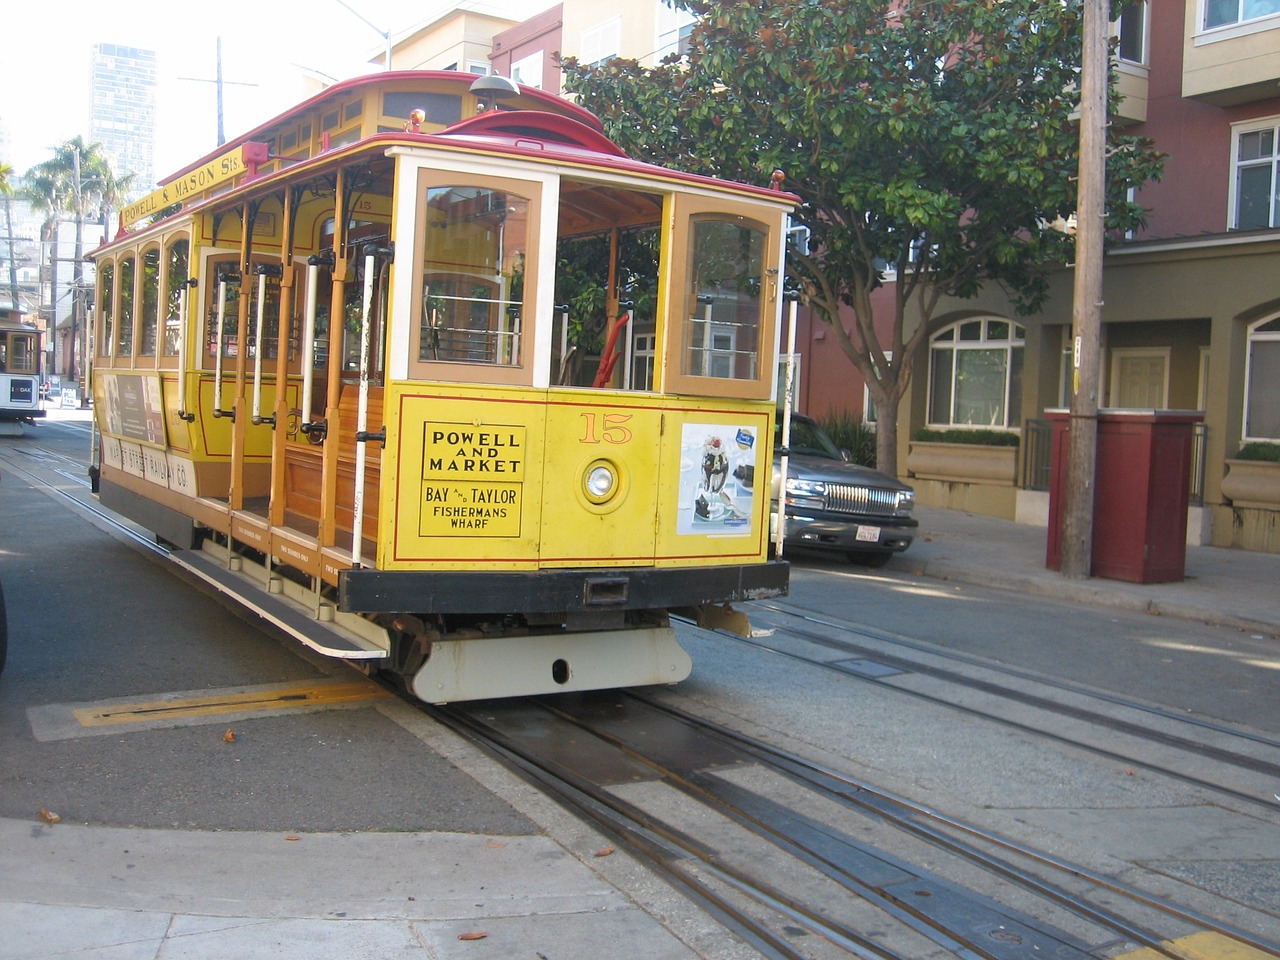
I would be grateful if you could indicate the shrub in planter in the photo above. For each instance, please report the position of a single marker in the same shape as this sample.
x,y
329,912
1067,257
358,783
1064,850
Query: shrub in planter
x,y
1260,450
989,438
852,434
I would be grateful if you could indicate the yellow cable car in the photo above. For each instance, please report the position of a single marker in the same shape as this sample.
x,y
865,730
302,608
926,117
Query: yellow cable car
x,y
449,385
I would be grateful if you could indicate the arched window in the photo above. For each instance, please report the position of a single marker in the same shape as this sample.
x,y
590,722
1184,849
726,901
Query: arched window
x,y
106,307
975,374
150,319
1262,382
124,336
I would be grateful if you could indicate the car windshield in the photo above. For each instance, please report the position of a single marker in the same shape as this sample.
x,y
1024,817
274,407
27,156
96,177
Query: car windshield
x,y
807,438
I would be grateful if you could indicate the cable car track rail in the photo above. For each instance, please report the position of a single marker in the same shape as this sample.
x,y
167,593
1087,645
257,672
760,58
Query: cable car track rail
x,y
1232,758
1043,680
558,746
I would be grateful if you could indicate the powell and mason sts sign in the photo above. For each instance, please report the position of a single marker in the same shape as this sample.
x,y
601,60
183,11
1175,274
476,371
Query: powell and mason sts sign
x,y
231,164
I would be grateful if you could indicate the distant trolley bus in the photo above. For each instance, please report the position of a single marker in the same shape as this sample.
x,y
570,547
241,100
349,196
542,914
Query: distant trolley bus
x,y
20,345
437,380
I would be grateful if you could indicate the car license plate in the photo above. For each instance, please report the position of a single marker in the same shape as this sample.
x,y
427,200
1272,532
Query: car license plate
x,y
868,534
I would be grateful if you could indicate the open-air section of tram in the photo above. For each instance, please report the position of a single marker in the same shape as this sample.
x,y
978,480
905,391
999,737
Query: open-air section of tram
x,y
435,378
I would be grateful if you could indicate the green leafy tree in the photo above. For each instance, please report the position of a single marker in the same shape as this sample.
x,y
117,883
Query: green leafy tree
x,y
931,138
6,188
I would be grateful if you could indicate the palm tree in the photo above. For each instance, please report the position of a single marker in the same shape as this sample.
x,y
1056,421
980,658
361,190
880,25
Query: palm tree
x,y
6,191
77,181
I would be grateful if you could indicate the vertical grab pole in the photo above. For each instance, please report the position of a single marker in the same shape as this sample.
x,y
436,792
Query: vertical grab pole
x,y
264,270
626,356
309,339
217,363
793,299
256,413
183,295
362,409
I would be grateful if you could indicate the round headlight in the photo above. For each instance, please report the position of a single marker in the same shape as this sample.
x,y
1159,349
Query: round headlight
x,y
600,482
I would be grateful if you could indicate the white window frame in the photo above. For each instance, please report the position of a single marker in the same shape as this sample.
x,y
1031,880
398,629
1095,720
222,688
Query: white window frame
x,y
869,413
1233,199
673,27
643,360
528,70
1145,39
1255,336
1241,21
601,42
955,346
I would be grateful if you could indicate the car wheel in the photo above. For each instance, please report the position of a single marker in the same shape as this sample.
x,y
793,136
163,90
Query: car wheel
x,y
866,559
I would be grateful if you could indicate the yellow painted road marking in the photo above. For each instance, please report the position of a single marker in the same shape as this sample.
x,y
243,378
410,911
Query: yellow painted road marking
x,y
1201,946
277,698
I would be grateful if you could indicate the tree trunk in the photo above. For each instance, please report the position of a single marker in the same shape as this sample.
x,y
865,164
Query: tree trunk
x,y
887,435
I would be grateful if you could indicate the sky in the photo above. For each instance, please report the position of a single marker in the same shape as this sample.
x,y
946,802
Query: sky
x,y
44,72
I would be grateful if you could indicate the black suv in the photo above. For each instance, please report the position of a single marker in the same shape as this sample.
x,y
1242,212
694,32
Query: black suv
x,y
833,504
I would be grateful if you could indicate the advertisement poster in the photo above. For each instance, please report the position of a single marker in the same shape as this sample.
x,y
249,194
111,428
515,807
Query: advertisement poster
x,y
134,407
717,479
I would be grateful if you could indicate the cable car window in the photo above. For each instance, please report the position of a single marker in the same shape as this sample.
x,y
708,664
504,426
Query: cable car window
x,y
150,303
106,307
440,108
473,275
175,282
124,345
22,354
726,273
270,315
222,270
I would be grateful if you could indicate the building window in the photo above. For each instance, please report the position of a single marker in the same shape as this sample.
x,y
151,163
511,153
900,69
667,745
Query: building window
x,y
868,404
1262,382
1222,13
1255,203
1132,29
975,374
674,28
642,361
600,43
528,70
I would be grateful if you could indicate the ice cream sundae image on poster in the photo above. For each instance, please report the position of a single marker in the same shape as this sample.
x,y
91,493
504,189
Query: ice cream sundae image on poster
x,y
717,475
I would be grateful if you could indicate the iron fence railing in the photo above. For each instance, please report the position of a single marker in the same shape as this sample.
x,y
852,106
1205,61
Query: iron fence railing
x,y
1037,441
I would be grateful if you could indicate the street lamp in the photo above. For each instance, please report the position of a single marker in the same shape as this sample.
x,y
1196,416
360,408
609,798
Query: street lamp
x,y
384,34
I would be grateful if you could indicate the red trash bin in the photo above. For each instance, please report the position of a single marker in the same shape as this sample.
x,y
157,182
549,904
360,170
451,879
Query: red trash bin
x,y
1142,485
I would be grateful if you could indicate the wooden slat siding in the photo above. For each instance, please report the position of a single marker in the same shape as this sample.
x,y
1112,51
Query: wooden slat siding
x,y
303,470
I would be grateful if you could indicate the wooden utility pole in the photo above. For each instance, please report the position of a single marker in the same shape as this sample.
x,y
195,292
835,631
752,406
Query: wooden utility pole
x,y
1082,445
221,85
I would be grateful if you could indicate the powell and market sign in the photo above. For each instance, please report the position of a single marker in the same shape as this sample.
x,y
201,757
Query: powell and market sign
x,y
231,164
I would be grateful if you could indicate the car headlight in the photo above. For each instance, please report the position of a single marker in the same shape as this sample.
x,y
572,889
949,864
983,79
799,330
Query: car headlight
x,y
806,494
906,501
806,488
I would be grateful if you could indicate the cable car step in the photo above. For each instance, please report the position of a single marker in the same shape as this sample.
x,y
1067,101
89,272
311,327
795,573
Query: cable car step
x,y
293,617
